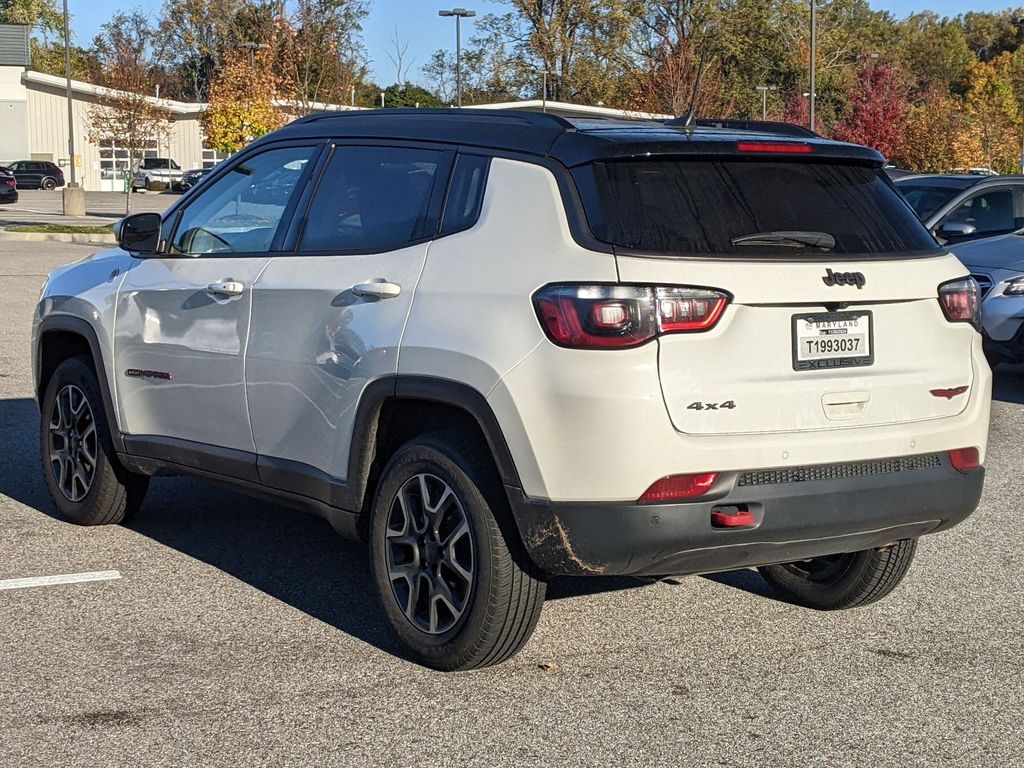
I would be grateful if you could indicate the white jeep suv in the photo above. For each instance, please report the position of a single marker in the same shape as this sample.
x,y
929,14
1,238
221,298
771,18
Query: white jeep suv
x,y
502,347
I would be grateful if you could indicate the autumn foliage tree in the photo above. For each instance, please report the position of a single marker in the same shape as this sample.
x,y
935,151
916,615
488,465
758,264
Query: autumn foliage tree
x,y
124,115
879,104
240,107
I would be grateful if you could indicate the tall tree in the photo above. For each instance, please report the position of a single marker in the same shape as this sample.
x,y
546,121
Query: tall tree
x,y
42,15
125,116
196,34
880,102
241,107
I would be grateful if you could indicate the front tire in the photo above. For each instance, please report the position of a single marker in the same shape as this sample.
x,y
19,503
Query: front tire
x,y
457,587
842,581
83,476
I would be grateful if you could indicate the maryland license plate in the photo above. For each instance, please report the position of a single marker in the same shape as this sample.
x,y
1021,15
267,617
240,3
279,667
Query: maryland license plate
x,y
823,340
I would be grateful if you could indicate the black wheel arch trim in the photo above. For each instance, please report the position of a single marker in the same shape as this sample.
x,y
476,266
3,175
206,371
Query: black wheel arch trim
x,y
79,327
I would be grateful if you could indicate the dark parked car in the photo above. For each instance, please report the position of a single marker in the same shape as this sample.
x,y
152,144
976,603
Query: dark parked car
x,y
37,174
190,178
8,186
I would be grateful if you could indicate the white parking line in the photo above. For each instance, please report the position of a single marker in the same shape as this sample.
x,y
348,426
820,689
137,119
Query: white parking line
x,y
63,578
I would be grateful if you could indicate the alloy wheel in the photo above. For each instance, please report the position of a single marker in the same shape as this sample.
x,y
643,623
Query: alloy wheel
x,y
429,554
73,443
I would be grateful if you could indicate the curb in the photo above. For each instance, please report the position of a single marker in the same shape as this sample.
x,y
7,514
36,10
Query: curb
x,y
58,237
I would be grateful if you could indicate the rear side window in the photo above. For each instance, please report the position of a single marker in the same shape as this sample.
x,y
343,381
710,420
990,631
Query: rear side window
x,y
747,208
372,199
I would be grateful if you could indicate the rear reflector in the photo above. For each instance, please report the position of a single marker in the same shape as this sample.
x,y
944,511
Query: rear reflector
x,y
680,487
774,147
965,459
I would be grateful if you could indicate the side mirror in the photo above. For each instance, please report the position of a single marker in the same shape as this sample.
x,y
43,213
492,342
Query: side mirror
x,y
139,233
956,229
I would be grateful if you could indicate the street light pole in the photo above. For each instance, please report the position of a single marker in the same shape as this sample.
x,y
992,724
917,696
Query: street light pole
x,y
764,98
459,14
71,108
814,56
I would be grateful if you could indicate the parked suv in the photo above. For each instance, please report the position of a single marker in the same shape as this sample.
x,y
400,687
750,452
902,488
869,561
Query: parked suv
x,y
37,174
157,170
502,347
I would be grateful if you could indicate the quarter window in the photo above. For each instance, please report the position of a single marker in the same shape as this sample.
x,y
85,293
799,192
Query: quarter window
x,y
241,211
372,199
465,194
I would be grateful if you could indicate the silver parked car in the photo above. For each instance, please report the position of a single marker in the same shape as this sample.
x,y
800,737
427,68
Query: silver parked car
x,y
997,264
958,208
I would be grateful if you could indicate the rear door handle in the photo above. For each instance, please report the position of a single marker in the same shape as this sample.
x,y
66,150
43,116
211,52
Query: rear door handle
x,y
377,289
225,288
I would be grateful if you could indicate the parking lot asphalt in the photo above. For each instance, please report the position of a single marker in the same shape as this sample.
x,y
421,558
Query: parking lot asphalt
x,y
241,633
38,206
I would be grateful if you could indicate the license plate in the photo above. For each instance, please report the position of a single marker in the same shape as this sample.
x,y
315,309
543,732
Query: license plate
x,y
824,340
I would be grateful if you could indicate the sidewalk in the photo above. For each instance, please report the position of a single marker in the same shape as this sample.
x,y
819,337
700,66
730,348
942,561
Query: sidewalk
x,y
42,207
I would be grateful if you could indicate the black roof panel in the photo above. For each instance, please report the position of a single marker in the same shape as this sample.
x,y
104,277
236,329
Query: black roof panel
x,y
572,141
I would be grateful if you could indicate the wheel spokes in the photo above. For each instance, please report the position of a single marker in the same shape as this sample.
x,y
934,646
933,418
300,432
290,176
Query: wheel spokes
x,y
73,444
429,551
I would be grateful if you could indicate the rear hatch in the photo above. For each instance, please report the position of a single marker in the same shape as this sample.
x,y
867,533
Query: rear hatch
x,y
833,318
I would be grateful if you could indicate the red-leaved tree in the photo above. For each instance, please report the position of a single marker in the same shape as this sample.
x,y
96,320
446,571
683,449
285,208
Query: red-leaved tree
x,y
879,105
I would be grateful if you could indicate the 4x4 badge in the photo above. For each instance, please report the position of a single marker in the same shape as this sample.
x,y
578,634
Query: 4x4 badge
x,y
844,278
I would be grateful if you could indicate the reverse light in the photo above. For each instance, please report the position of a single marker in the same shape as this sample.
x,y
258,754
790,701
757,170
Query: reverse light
x,y
965,459
680,487
622,316
774,147
961,301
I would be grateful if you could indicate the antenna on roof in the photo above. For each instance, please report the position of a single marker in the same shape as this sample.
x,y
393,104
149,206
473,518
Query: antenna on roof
x,y
687,120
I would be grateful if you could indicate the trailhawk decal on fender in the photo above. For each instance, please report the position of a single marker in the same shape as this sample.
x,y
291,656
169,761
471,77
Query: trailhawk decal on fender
x,y
138,373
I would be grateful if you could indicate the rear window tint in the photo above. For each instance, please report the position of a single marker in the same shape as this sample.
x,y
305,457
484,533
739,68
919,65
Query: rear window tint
x,y
680,206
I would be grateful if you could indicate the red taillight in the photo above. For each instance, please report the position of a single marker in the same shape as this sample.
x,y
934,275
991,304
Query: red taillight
x,y
965,459
617,316
774,147
961,301
10,183
680,487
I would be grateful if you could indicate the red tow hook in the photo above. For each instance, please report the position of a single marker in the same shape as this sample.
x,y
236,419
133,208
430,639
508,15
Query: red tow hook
x,y
732,517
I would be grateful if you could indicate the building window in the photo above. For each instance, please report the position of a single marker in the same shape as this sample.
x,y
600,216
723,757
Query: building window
x,y
211,157
114,159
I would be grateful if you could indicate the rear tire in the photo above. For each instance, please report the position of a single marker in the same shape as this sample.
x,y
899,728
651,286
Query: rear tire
x,y
457,587
48,183
842,581
87,483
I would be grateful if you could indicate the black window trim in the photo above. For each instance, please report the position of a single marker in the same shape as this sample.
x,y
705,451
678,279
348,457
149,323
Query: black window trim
x,y
175,213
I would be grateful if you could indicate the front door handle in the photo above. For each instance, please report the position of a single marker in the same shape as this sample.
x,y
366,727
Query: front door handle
x,y
225,288
377,289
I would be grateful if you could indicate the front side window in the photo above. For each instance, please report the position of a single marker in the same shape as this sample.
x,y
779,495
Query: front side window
x,y
987,212
241,211
747,207
372,199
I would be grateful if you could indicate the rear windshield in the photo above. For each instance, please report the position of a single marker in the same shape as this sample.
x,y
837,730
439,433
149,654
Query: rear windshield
x,y
747,208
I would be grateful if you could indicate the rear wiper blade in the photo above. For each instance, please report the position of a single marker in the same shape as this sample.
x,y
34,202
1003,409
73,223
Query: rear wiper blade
x,y
788,239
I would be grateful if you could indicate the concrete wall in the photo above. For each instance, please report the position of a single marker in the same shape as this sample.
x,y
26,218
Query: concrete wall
x,y
14,143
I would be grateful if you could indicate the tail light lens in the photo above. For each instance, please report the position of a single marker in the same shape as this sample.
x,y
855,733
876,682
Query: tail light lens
x,y
618,316
965,459
961,301
680,487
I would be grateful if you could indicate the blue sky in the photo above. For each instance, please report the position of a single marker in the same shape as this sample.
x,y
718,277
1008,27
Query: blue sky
x,y
418,22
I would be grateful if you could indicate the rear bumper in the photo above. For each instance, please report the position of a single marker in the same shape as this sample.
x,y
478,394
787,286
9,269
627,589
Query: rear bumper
x,y
795,519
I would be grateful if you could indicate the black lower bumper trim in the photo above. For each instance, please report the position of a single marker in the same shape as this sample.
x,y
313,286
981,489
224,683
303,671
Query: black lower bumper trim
x,y
794,521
